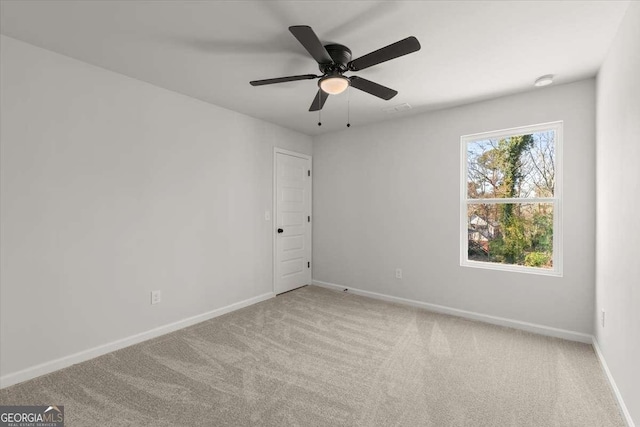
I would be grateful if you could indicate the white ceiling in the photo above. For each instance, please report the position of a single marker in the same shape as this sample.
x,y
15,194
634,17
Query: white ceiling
x,y
210,50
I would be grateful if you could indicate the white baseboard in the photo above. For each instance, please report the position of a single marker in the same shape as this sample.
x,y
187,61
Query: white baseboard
x,y
623,408
66,361
516,324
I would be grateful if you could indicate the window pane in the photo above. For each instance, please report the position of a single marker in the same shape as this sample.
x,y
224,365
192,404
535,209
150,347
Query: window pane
x,y
517,166
511,233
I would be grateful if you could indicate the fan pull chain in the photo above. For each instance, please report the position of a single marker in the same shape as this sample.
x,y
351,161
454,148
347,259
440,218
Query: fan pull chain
x,y
349,107
319,108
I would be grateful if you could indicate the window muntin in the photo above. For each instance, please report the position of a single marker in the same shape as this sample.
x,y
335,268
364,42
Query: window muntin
x,y
510,211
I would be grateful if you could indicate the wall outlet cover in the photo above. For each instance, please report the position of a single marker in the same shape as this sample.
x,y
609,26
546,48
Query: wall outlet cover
x,y
156,297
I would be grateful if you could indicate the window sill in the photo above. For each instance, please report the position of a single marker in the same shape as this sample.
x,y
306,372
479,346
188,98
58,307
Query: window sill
x,y
512,268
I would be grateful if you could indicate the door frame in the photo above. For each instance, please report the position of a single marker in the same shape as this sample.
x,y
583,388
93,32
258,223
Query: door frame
x,y
274,210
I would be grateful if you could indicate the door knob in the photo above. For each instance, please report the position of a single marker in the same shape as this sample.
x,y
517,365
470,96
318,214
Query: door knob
x,y
280,230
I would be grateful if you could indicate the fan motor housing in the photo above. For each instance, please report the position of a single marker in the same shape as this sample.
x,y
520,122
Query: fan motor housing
x,y
341,56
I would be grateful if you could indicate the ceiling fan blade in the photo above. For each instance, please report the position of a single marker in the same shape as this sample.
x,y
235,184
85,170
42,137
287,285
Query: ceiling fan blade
x,y
319,100
310,41
395,50
372,88
283,79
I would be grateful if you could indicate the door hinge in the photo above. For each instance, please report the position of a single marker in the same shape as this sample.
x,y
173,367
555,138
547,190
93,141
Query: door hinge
x,y
308,264
309,172
309,218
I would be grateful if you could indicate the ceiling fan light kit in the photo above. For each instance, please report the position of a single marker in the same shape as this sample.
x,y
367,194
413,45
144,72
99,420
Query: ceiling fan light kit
x,y
334,84
335,59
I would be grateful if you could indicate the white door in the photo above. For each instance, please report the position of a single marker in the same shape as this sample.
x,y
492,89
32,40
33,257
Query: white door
x,y
292,221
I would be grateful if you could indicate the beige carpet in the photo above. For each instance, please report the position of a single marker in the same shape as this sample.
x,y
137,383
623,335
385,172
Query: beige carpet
x,y
315,357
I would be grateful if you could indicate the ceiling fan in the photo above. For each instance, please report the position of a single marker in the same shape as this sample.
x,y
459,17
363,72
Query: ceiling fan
x,y
335,59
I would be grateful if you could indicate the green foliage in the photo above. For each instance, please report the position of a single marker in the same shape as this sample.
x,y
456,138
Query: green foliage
x,y
525,239
513,243
537,259
510,151
542,231
496,250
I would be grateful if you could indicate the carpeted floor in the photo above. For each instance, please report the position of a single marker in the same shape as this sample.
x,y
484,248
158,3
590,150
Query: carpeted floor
x,y
315,357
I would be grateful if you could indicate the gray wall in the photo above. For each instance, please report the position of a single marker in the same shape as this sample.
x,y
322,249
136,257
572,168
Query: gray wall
x,y
388,196
111,188
618,210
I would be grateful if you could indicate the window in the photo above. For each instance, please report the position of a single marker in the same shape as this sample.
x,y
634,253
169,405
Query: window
x,y
510,216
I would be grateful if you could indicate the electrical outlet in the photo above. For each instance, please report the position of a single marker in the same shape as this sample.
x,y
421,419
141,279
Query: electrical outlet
x,y
156,297
398,273
602,318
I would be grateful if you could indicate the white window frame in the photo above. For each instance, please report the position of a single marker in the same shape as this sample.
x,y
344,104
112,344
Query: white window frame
x,y
556,200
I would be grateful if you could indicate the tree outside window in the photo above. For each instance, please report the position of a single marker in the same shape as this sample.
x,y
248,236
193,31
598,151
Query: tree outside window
x,y
510,213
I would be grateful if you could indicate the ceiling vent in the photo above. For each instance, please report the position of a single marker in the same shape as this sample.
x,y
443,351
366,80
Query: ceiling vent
x,y
397,108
